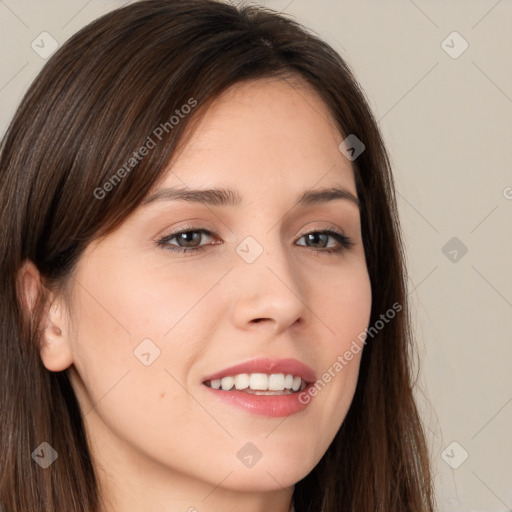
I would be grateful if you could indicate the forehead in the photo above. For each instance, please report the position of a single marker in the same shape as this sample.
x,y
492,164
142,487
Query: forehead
x,y
273,131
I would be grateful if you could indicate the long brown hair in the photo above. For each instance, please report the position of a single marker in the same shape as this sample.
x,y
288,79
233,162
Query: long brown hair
x,y
90,109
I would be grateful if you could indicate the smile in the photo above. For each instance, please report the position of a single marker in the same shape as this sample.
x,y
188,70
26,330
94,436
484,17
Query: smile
x,y
260,383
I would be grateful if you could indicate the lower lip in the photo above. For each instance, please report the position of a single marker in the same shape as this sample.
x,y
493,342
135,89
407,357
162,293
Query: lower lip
x,y
264,405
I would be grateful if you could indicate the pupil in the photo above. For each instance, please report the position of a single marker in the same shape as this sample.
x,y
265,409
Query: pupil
x,y
186,237
312,236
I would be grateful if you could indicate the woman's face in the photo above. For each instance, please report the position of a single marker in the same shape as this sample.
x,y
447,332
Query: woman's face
x,y
156,327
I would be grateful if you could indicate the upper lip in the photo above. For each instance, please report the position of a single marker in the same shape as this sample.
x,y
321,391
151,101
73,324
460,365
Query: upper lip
x,y
269,366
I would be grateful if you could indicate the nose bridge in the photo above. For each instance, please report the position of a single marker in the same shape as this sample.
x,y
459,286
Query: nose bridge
x,y
269,286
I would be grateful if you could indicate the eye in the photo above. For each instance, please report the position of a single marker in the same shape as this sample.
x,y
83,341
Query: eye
x,y
322,238
188,240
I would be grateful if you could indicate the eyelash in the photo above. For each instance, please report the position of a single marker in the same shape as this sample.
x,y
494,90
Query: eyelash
x,y
344,241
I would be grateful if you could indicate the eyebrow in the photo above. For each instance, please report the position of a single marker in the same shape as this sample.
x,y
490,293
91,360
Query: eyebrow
x,y
227,197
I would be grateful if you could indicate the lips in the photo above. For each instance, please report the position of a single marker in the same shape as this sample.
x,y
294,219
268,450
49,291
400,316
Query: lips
x,y
267,366
290,376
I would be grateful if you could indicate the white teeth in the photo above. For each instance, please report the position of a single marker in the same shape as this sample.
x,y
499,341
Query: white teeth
x,y
227,383
276,382
259,382
242,381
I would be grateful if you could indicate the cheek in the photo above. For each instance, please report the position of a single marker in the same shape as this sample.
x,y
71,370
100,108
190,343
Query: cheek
x,y
345,314
120,305
129,354
345,307
124,398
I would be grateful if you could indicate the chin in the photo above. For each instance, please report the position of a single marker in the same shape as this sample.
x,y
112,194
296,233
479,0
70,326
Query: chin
x,y
273,474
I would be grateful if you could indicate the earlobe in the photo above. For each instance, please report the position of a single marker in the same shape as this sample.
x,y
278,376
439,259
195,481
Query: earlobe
x,y
56,353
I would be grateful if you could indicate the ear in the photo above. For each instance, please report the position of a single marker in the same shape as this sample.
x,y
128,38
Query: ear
x,y
56,353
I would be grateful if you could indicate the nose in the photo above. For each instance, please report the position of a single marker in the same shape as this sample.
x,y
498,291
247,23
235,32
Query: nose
x,y
269,293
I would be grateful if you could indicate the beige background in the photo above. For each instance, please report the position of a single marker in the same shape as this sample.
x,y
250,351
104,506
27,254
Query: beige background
x,y
448,125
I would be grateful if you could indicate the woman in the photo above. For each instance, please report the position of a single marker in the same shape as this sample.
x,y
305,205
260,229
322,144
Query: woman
x,y
203,292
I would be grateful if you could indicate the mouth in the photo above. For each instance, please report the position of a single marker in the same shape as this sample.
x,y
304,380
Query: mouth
x,y
260,383
267,387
